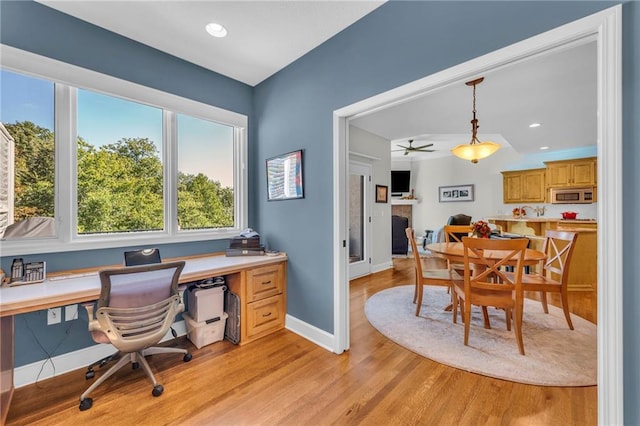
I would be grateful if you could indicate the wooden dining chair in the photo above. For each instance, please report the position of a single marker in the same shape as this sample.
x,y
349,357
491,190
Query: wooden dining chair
x,y
454,234
490,285
438,277
553,273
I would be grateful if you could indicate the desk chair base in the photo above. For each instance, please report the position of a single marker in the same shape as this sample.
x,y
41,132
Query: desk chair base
x,y
136,359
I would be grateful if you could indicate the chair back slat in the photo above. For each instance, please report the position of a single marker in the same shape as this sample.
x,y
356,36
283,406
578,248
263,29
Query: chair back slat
x,y
558,246
455,233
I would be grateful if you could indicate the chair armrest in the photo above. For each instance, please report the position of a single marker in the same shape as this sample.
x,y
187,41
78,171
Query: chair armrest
x,y
94,325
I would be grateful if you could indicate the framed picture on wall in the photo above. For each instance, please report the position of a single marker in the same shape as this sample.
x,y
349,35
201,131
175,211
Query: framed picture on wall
x,y
447,194
284,177
382,193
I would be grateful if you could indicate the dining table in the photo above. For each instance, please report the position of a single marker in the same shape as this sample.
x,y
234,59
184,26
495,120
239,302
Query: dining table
x,y
454,252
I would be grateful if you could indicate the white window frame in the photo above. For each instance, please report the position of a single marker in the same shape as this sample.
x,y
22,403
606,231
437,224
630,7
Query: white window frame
x,y
67,78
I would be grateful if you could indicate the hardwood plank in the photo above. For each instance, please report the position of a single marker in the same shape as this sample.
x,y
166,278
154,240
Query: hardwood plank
x,y
286,380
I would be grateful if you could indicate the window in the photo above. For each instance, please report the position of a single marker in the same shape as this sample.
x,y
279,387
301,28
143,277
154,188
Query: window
x,y
27,180
205,174
112,163
119,165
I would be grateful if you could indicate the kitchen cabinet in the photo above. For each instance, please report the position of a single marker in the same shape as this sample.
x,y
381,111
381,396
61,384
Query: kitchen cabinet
x,y
568,173
523,186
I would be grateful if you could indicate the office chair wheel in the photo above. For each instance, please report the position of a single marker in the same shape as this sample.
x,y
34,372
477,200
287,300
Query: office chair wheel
x,y
157,390
85,404
135,365
89,375
186,357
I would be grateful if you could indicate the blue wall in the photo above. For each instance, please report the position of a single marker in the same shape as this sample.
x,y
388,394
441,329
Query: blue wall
x,y
32,27
398,43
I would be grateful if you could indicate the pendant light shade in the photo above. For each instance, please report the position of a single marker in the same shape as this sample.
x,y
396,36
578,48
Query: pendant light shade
x,y
475,150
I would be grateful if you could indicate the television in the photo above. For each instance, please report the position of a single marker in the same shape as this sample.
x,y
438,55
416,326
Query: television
x,y
400,182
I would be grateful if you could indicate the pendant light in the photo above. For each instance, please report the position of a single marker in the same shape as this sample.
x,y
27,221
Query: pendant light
x,y
475,150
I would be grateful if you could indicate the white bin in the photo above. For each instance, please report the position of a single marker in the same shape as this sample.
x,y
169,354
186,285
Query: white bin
x,y
205,303
203,333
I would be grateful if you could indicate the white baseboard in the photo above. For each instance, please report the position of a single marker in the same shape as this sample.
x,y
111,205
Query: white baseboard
x,y
311,333
61,364
381,267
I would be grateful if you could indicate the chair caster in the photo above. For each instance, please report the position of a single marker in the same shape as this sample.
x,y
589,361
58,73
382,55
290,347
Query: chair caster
x,y
186,357
89,375
85,404
135,365
157,390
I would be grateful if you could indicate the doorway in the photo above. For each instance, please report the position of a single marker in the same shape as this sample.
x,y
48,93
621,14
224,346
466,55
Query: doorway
x,y
605,27
359,219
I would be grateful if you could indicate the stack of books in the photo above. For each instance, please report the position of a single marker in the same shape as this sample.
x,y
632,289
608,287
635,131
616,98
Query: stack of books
x,y
246,244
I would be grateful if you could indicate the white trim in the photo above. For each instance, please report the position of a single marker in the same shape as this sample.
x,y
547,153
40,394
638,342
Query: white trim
x,y
379,267
605,26
70,361
67,78
311,333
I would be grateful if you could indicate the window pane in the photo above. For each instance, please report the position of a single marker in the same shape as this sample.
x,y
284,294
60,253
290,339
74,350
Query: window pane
x,y
120,177
27,156
205,174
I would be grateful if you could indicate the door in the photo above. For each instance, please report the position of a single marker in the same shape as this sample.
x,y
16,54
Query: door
x,y
360,195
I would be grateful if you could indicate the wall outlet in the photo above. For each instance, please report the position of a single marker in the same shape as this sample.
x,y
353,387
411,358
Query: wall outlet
x,y
70,312
54,316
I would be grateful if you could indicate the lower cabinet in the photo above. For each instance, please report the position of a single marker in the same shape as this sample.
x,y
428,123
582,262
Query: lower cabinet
x,y
263,303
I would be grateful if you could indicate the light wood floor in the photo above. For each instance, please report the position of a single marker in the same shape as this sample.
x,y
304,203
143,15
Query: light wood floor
x,y
285,379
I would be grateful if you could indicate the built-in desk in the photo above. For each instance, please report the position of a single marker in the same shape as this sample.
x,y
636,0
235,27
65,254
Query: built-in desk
x,y
262,311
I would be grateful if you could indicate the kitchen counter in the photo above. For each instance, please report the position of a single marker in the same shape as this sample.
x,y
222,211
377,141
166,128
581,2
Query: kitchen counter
x,y
538,225
509,218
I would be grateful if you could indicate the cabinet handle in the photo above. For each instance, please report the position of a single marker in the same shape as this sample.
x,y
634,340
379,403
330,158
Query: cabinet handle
x,y
267,314
266,282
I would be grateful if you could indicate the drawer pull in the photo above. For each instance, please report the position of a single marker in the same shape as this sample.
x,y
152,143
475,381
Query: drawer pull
x,y
268,314
266,282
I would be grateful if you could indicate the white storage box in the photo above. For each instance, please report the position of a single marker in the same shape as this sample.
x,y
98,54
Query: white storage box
x,y
203,333
205,303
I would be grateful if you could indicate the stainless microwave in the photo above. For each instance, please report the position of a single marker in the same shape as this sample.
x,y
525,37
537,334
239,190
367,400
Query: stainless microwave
x,y
572,195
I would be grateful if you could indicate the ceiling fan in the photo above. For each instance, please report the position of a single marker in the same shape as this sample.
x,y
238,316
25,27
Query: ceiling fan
x,y
411,148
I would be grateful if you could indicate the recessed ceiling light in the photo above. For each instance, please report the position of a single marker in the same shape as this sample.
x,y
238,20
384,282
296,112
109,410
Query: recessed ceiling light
x,y
216,30
532,125
542,148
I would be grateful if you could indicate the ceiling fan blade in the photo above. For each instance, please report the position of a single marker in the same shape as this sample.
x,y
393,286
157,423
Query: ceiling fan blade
x,y
397,150
426,150
423,146
404,147
406,152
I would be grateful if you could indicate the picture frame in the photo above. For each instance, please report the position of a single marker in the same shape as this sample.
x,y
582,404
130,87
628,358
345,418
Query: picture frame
x,y
285,176
455,193
382,193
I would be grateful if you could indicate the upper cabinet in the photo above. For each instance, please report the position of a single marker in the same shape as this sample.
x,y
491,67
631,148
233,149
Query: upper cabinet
x,y
566,173
523,186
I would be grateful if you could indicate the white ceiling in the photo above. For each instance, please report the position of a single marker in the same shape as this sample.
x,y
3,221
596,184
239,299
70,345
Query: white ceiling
x,y
264,36
556,89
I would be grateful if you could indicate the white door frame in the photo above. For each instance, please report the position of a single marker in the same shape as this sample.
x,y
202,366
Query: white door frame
x,y
605,27
364,266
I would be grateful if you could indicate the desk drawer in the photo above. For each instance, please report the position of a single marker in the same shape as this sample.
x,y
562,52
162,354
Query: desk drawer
x,y
264,282
265,316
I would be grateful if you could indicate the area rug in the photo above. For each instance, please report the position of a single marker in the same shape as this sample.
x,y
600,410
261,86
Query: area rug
x,y
554,355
